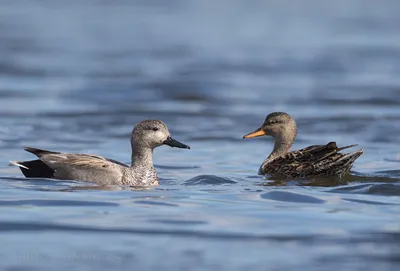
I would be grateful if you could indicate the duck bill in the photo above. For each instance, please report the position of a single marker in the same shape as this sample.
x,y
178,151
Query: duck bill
x,y
256,133
175,143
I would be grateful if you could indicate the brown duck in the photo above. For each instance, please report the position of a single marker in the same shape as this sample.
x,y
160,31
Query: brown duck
x,y
308,163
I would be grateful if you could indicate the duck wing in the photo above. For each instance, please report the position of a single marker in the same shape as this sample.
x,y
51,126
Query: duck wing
x,y
316,160
84,167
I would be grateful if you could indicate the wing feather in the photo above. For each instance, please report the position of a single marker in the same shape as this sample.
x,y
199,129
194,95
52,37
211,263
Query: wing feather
x,y
80,166
311,161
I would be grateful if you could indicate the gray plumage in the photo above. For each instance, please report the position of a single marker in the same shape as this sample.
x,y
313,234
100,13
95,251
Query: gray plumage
x,y
146,136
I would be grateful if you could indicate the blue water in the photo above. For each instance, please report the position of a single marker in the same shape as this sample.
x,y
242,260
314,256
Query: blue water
x,y
75,76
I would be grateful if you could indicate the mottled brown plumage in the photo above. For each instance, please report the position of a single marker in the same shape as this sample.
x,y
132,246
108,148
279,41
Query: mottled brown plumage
x,y
307,163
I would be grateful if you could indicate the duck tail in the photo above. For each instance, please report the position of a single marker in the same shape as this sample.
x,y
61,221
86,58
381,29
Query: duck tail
x,y
18,164
349,158
347,147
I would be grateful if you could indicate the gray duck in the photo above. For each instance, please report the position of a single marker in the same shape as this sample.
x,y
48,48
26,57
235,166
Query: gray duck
x,y
146,136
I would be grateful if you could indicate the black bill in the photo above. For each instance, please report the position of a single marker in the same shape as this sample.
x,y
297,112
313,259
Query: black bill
x,y
174,143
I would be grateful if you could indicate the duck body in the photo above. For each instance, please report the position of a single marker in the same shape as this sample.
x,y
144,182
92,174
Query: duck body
x,y
146,136
308,163
85,167
313,161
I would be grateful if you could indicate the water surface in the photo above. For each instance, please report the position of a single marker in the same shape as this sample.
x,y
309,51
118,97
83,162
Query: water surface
x,y
76,76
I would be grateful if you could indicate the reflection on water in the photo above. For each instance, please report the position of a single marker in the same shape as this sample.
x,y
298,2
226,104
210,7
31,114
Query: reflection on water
x,y
76,76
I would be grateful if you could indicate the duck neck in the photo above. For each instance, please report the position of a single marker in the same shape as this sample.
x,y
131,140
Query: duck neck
x,y
283,143
280,148
142,157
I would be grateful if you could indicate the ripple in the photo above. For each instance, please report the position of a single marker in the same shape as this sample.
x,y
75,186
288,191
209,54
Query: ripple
x,y
39,227
40,184
176,167
385,189
373,189
208,179
149,202
178,222
291,197
368,202
390,173
55,203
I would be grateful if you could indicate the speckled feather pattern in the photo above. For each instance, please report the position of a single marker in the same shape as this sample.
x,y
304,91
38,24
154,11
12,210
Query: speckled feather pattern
x,y
310,162
313,161
146,136
100,170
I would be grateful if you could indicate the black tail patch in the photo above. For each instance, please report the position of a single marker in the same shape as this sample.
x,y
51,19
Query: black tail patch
x,y
36,169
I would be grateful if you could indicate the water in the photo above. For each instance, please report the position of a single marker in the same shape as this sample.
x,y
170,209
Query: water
x,y
77,75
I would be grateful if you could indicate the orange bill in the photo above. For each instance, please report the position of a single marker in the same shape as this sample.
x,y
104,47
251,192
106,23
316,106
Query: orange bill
x,y
256,133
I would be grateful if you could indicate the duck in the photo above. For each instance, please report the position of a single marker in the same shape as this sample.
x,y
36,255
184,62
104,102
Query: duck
x,y
308,163
146,136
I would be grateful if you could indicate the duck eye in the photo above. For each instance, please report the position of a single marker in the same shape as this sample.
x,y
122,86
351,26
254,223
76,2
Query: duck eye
x,y
154,129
